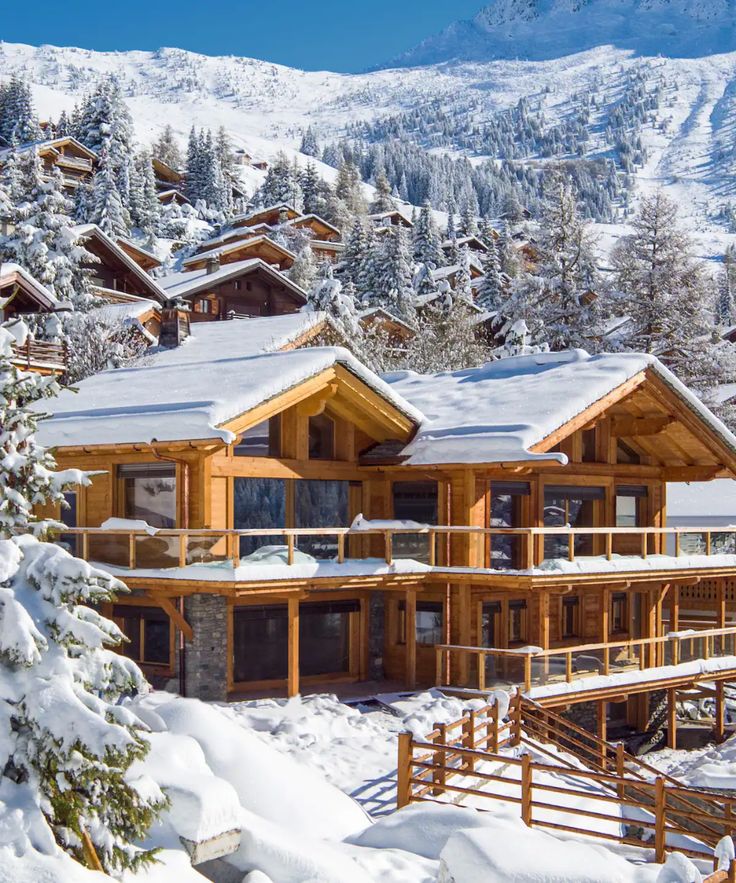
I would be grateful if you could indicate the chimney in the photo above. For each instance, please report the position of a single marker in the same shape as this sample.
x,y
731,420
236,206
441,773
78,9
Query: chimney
x,y
213,264
174,326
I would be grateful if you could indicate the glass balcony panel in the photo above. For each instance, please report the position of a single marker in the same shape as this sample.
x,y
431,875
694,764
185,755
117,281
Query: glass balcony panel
x,y
152,553
504,671
206,550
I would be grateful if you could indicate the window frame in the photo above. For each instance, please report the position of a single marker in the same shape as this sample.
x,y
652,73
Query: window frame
x,y
120,611
121,497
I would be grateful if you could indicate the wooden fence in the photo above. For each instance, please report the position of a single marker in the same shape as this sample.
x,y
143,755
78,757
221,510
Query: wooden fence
x,y
35,353
460,762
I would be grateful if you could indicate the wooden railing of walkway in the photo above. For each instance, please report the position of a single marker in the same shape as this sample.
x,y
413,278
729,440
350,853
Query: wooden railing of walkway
x,y
460,762
33,353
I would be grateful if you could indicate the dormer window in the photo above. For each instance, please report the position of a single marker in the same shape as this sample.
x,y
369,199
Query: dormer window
x,y
261,440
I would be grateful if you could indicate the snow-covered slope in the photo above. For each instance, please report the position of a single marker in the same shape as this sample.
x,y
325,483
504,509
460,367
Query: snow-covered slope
x,y
266,107
553,28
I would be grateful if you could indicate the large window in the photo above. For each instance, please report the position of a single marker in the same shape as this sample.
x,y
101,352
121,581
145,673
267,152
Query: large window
x,y
259,503
517,623
630,505
147,630
262,440
321,504
148,492
570,507
507,501
260,640
414,501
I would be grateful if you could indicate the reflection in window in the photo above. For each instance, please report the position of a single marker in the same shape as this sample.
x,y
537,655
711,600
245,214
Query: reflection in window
x,y
414,501
629,502
517,622
263,440
147,630
260,643
321,504
570,507
321,438
324,637
149,493
429,622
259,503
489,624
620,612
69,517
506,512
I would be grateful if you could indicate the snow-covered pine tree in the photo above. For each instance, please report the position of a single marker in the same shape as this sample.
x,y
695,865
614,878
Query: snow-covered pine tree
x,y
18,120
727,289
63,125
44,240
313,200
193,175
446,339
669,298
490,288
228,169
11,179
309,145
166,148
279,187
303,272
145,209
426,242
508,260
382,201
107,209
356,252
462,289
394,289
66,743
327,295
469,215
349,194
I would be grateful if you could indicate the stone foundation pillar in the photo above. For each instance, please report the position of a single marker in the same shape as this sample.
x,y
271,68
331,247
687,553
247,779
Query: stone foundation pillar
x,y
206,654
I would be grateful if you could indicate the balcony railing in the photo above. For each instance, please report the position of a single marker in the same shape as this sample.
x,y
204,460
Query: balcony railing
x,y
40,354
532,667
434,546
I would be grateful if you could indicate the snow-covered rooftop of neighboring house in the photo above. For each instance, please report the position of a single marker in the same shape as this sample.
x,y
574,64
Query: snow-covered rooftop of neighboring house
x,y
11,272
127,311
191,392
227,247
192,281
498,412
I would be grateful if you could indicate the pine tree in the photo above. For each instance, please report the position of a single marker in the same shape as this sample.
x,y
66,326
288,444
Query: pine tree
x,y
327,295
426,241
468,216
312,197
63,125
145,209
446,339
107,209
44,241
304,269
309,145
727,289
193,185
394,284
349,193
356,252
166,148
63,734
18,120
382,201
490,289
462,289
669,298
280,187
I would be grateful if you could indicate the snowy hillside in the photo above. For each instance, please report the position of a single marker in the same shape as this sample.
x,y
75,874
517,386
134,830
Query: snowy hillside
x,y
681,111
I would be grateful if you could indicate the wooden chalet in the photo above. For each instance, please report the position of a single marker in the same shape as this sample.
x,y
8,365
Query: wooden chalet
x,y
319,228
256,247
23,295
272,215
145,259
398,332
386,220
167,178
472,243
245,288
513,531
116,275
172,197
75,162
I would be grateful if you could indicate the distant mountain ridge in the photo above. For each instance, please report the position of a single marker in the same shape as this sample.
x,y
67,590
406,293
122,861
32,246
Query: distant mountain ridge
x,y
544,29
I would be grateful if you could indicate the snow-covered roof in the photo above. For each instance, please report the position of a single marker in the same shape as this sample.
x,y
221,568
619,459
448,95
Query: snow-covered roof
x,y
226,248
226,369
12,273
50,143
192,281
282,206
498,412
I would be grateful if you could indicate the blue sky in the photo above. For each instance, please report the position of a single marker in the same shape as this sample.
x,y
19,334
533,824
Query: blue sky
x,y
344,35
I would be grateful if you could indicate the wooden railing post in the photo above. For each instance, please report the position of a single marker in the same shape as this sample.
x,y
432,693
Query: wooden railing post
x,y
403,771
131,550
620,770
341,548
516,728
290,549
568,667
527,672
494,727
481,670
660,802
439,655
469,741
439,760
184,546
389,547
432,551
526,790
85,546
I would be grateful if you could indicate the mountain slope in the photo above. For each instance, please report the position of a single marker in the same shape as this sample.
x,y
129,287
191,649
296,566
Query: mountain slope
x,y
544,29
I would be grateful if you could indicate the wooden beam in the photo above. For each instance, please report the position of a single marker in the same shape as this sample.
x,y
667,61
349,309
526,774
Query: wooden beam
x,y
626,426
720,728
293,651
173,613
672,718
691,473
314,406
411,638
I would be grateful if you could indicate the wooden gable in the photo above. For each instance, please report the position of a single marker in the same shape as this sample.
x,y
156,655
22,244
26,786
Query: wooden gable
x,y
273,215
145,260
267,250
645,421
321,229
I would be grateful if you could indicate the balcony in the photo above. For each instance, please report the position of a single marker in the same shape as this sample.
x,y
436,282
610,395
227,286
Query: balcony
x,y
41,356
545,556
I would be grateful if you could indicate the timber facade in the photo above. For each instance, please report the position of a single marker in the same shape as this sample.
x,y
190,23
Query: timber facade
x,y
536,573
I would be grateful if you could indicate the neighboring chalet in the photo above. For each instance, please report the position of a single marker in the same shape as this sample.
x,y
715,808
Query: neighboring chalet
x,y
73,160
23,295
383,221
513,522
260,247
272,215
244,288
145,259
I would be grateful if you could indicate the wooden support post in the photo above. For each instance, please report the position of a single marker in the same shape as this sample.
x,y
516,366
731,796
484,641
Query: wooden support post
x,y
660,799
432,540
293,653
720,712
389,547
85,546
620,770
517,717
526,789
173,613
463,626
494,729
131,550
609,546
290,549
411,638
672,718
602,721
340,548
403,772
721,601
184,548
527,673
439,668
481,663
